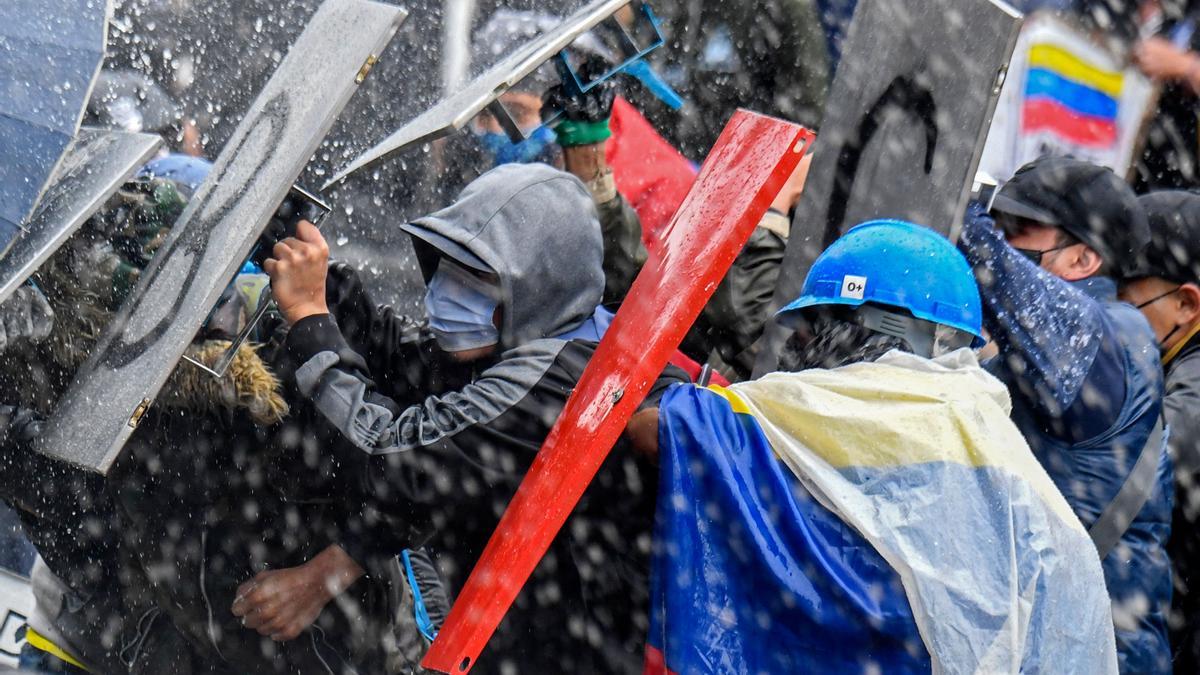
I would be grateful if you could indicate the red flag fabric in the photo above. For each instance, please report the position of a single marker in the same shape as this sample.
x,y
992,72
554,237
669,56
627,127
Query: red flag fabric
x,y
648,170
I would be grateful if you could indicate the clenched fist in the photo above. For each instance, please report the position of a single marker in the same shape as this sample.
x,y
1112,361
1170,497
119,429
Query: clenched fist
x,y
297,268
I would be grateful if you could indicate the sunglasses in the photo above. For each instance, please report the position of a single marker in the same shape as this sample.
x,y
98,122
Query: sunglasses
x,y
1036,255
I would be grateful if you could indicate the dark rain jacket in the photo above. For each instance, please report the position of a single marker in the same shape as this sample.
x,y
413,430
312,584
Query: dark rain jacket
x,y
1087,392
624,252
447,461
1182,409
732,321
219,481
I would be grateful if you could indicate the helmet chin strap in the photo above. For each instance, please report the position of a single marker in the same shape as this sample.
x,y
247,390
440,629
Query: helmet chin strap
x,y
922,337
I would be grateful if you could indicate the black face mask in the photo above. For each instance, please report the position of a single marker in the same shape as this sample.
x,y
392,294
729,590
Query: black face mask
x,y
1162,342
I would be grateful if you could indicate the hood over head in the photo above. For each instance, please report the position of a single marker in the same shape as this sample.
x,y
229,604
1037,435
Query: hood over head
x,y
537,229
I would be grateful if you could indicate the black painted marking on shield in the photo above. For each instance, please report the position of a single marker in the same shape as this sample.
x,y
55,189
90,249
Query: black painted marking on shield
x,y
194,241
911,95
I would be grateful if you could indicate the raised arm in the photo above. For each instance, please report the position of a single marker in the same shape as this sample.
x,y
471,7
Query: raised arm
x,y
1052,336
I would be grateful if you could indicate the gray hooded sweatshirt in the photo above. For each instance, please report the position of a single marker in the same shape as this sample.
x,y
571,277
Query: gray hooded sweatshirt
x,y
443,458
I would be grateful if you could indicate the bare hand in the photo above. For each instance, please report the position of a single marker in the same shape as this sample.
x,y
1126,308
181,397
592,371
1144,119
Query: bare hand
x,y
297,267
642,431
790,194
1161,60
281,604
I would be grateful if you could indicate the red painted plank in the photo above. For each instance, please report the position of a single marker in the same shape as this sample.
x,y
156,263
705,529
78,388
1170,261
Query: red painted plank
x,y
744,171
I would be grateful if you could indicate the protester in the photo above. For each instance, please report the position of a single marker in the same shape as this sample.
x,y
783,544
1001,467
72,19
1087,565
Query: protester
x,y
218,485
515,283
81,598
1083,372
726,333
208,491
77,616
872,508
581,128
1166,287
1169,158
563,127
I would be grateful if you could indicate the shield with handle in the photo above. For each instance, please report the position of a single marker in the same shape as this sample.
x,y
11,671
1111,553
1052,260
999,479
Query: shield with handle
x,y
484,92
744,172
221,224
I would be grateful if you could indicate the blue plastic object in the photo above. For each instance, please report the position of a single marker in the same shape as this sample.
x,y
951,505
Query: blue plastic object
x,y
899,265
634,65
635,54
420,613
655,83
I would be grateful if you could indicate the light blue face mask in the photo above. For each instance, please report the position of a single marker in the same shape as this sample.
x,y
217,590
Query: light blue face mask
x,y
460,307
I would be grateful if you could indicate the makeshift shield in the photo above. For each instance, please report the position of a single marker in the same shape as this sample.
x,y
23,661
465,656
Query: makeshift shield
x,y
222,222
904,127
50,54
452,113
92,170
745,170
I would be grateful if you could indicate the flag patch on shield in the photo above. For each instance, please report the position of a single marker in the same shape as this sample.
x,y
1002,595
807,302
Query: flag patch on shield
x,y
853,287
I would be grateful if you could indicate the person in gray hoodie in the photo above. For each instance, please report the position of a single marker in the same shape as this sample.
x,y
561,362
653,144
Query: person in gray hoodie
x,y
514,287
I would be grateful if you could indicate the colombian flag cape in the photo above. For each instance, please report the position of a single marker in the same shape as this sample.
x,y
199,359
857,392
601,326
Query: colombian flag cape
x,y
881,517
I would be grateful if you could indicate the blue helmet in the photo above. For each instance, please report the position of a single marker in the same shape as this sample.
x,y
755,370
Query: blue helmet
x,y
186,171
895,265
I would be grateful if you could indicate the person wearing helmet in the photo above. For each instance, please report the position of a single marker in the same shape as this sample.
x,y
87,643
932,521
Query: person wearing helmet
x,y
184,171
1084,374
870,507
1165,286
84,612
447,414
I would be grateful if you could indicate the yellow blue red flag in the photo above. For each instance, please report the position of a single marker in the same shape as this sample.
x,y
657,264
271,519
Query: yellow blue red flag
x,y
881,517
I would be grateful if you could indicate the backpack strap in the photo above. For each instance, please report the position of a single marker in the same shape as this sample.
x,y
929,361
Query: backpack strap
x,y
1133,495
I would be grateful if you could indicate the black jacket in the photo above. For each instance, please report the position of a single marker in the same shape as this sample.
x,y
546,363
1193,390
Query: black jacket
x,y
445,467
1182,410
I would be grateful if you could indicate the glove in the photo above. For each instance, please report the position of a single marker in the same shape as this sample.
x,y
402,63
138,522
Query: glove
x,y
582,116
18,425
25,316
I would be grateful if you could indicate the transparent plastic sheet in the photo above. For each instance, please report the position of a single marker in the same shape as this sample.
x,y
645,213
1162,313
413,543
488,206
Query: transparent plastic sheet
x,y
999,573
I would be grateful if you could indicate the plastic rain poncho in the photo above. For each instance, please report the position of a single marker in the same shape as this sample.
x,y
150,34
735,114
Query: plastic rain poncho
x,y
881,517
